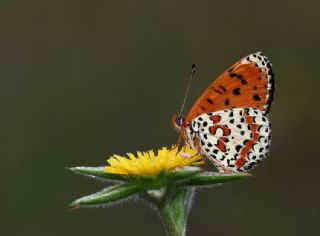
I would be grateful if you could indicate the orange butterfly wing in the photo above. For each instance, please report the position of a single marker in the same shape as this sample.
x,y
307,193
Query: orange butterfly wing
x,y
248,83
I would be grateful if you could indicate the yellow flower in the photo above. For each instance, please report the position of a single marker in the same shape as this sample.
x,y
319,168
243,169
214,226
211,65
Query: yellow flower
x,y
149,164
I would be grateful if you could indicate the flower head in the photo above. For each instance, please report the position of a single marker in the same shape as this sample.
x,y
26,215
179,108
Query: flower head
x,y
150,164
167,179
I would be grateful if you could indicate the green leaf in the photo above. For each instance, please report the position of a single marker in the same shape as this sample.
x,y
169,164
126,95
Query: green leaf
x,y
97,172
213,178
107,195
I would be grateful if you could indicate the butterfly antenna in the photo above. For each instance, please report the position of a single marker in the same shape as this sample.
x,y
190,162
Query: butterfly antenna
x,y
192,72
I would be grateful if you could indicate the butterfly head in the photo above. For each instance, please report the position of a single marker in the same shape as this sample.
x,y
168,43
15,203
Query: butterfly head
x,y
178,121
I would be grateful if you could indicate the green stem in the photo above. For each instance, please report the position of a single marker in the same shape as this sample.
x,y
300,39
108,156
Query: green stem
x,y
174,212
169,222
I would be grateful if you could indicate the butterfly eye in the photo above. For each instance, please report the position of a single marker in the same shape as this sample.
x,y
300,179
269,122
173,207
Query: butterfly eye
x,y
179,120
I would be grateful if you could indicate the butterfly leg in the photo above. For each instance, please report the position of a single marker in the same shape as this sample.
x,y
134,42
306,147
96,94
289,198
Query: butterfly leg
x,y
181,135
196,142
224,170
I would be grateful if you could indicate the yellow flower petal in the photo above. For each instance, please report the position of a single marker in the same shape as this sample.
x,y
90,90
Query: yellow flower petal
x,y
150,164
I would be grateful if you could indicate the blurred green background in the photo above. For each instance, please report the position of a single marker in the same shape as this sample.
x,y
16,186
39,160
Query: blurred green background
x,y
82,80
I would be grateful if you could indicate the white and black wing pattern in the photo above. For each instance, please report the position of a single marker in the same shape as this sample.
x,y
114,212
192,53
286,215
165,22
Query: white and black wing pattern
x,y
235,140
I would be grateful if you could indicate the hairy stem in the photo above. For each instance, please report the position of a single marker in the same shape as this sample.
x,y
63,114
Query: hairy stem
x,y
174,212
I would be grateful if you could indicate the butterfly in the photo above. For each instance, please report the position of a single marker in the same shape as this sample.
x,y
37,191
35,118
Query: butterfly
x,y
229,122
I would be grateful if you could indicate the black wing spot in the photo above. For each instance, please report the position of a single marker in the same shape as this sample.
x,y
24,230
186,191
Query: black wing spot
x,y
232,75
213,156
223,157
226,102
228,161
238,147
209,100
240,76
256,97
236,91
223,88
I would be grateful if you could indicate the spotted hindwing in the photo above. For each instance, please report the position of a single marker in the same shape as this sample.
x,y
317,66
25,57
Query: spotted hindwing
x,y
235,140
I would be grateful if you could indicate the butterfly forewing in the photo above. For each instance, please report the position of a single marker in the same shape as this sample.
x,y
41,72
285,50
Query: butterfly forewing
x,y
248,83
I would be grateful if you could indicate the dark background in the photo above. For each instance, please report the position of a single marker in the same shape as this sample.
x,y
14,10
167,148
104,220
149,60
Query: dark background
x,y
82,80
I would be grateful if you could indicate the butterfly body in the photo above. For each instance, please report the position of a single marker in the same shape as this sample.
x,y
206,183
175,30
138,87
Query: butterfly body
x,y
229,123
